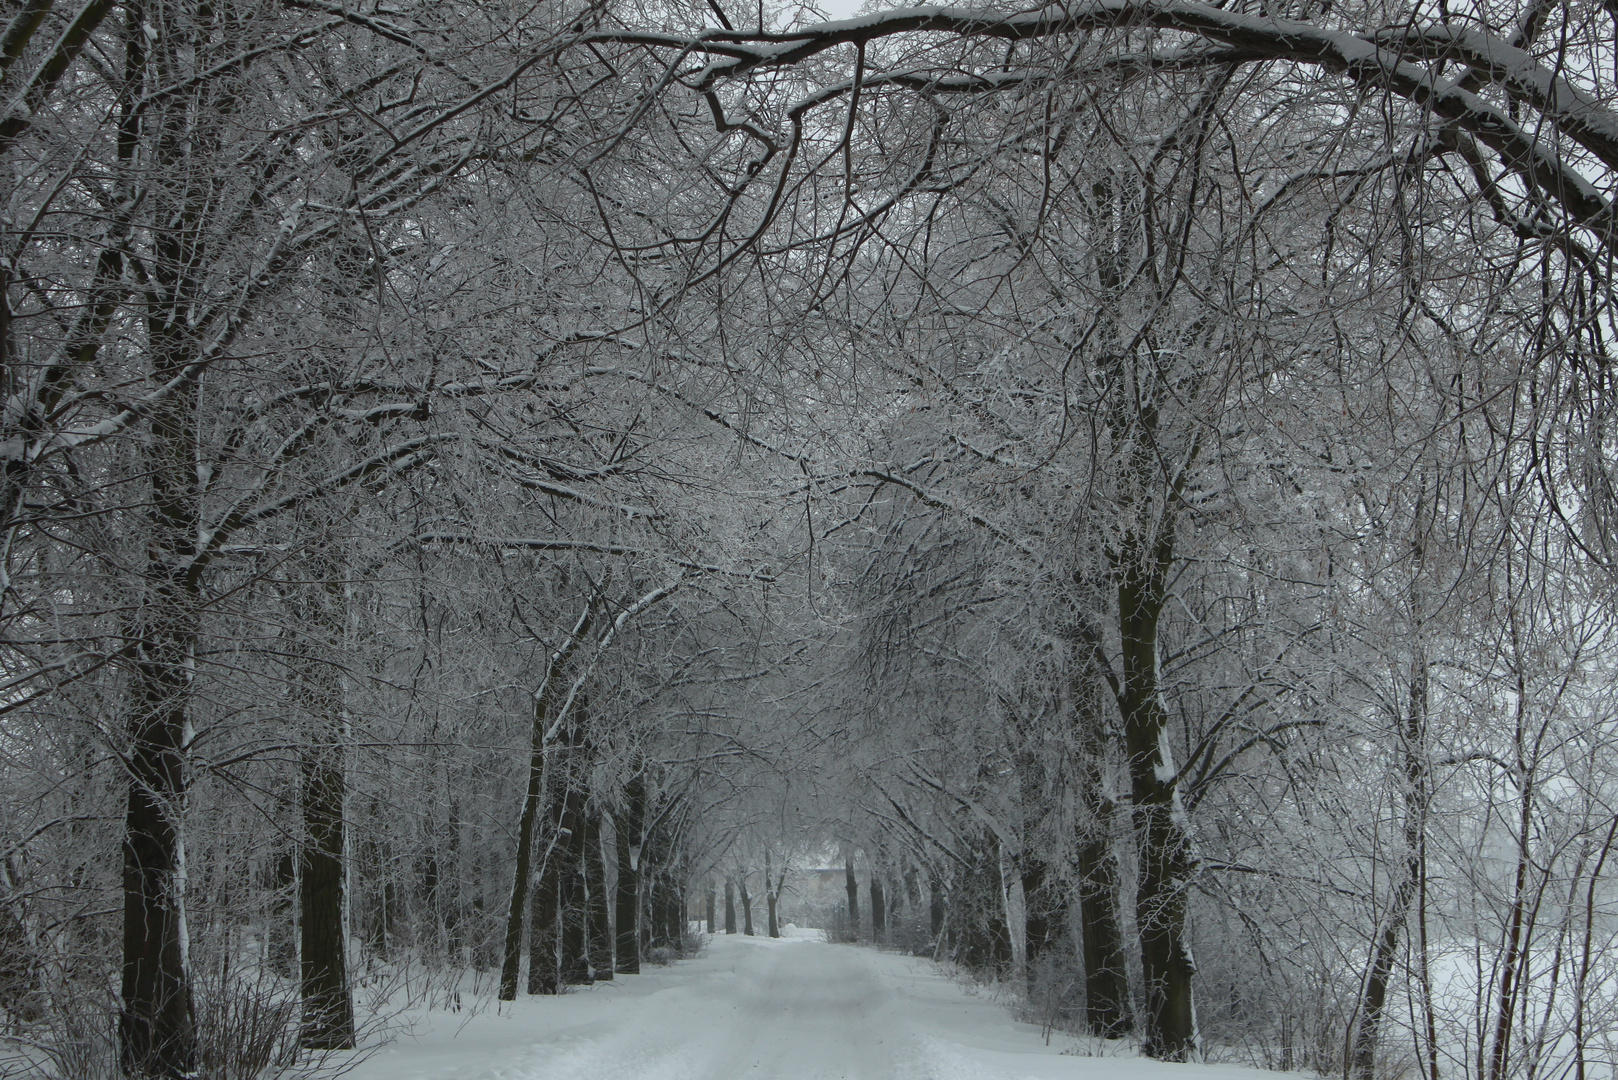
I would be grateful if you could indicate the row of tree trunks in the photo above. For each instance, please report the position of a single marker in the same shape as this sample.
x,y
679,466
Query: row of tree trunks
x,y
544,705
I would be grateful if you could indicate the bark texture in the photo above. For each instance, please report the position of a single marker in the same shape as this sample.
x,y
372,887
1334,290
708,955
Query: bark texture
x,y
627,843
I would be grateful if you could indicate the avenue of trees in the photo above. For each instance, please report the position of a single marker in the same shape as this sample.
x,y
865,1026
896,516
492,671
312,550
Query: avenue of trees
x,y
1131,481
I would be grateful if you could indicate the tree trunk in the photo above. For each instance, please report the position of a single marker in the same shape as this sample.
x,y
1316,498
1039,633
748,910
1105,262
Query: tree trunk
x,y
511,959
747,907
575,969
730,906
879,909
627,909
543,936
852,887
709,912
328,1003
770,897
1360,1055
328,1007
157,1021
595,883
156,1024
1166,863
1015,903
1106,973
628,831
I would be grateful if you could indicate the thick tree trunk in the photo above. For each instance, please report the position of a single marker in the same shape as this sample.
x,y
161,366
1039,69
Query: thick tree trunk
x,y
595,884
156,1024
730,906
709,909
747,906
628,829
1166,862
575,970
626,907
543,935
328,1006
1106,973
879,909
935,907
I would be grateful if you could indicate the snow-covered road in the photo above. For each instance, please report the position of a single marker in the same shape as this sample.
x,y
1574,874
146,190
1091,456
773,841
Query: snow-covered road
x,y
792,1009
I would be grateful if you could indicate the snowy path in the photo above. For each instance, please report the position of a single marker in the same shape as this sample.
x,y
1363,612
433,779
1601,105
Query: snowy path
x,y
792,1009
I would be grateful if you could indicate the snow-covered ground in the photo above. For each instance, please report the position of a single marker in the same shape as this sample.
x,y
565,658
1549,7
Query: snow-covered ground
x,y
792,1009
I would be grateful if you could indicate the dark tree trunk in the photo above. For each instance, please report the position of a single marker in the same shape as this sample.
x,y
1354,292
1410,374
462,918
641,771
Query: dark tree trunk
x,y
1165,846
1106,973
328,1004
511,959
772,894
157,1021
595,883
935,907
629,826
627,908
747,907
157,1025
328,1007
544,935
730,906
575,908
879,909
709,912
851,886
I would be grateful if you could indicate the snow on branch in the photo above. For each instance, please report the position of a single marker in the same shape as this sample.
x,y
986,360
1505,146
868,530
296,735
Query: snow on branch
x,y
1389,60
